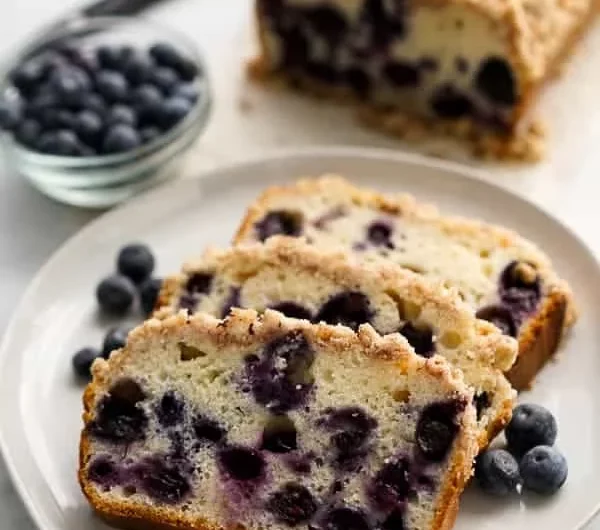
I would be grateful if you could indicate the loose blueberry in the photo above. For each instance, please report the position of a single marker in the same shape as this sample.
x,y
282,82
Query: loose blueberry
x,y
164,78
292,310
531,425
279,436
345,518
56,119
420,338
402,74
118,418
121,138
170,410
436,429
501,317
82,361
92,102
544,470
121,114
208,430
115,294
350,309
149,134
292,505
199,283
88,125
9,115
167,55
172,111
70,83
28,76
43,100
147,99
112,85
449,103
279,222
495,80
241,463
149,291
187,91
28,132
138,68
114,57
497,472
391,485
163,480
136,262
62,142
115,339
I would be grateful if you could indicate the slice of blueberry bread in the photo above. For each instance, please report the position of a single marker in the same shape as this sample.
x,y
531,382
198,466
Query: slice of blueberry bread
x,y
269,423
504,277
469,68
304,282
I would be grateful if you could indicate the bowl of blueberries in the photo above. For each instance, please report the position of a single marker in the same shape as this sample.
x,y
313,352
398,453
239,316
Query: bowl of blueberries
x,y
103,109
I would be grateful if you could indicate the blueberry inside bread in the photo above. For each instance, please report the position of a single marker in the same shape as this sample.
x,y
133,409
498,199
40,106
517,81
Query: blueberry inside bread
x,y
502,276
273,423
300,281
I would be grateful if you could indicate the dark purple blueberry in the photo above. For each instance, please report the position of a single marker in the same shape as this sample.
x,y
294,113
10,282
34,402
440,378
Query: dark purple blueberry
x,y
241,463
279,436
57,119
394,521
103,471
62,143
449,103
138,68
113,57
495,79
9,115
28,76
115,294
208,430
322,71
118,418
531,425
172,111
147,100
120,113
70,83
149,134
28,132
350,309
544,470
92,102
112,85
402,73
121,138
82,361
436,429
279,222
88,125
187,91
281,379
170,410
199,283
345,518
497,472
136,262
520,290
359,81
44,99
379,234
292,310
420,338
328,22
115,339
500,316
482,402
149,291
163,480
167,55
295,48
164,78
232,300
391,486
292,505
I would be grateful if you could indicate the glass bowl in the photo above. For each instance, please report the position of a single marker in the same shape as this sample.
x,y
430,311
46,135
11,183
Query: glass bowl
x,y
101,181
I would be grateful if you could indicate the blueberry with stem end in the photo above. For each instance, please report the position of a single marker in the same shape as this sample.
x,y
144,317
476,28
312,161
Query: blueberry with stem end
x,y
531,425
544,470
497,472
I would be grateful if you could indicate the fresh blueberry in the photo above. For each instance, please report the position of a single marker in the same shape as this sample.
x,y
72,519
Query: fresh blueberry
x,y
497,472
402,74
54,118
448,102
436,429
292,505
345,518
138,68
148,101
544,470
115,339
9,115
92,102
172,111
279,435
28,132
241,463
207,429
279,222
62,142
120,138
28,76
531,425
136,261
391,484
164,78
149,134
112,85
120,113
187,91
115,294
163,480
292,310
495,80
350,309
149,291
114,57
70,83
170,410
501,317
88,125
45,99
119,419
82,361
167,55
420,338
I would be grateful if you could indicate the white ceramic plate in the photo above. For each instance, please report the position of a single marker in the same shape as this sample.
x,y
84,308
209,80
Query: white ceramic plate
x,y
40,404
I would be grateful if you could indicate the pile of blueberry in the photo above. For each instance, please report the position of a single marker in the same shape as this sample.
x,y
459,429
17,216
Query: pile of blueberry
x,y
116,295
530,461
76,101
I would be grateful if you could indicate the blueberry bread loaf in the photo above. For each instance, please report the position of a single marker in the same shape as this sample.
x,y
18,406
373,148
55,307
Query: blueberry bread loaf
x,y
505,278
301,281
469,68
271,423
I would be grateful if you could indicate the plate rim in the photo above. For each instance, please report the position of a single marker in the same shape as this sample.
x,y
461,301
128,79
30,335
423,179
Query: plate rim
x,y
221,171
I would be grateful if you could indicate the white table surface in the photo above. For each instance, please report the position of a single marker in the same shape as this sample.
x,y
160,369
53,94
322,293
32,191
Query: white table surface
x,y
247,121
